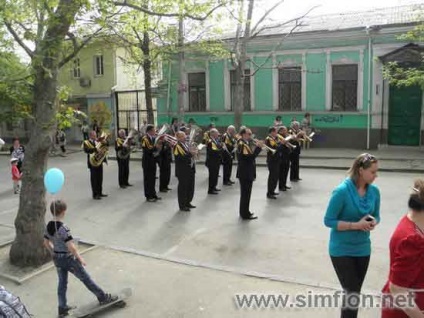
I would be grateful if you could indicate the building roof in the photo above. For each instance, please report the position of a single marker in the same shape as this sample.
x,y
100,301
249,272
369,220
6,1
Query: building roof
x,y
406,14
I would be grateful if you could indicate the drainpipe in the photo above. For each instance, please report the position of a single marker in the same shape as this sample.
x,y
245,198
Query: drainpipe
x,y
367,30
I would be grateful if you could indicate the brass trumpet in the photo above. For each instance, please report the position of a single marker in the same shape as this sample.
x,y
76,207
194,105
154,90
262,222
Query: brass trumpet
x,y
261,144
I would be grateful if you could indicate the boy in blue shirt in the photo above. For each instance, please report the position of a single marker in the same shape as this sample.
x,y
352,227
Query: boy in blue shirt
x,y
59,241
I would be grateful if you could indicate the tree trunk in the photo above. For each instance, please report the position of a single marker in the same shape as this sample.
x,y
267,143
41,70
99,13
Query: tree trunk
x,y
147,68
239,94
241,59
182,87
27,248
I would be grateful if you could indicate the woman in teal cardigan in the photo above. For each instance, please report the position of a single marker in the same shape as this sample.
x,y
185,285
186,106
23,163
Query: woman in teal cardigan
x,y
353,211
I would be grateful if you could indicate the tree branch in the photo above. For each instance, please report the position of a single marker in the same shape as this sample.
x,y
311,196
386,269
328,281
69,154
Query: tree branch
x,y
266,14
169,15
282,24
77,49
258,67
18,39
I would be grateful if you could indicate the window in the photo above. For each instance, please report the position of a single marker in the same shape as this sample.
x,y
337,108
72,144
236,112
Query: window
x,y
345,87
290,88
98,65
197,92
76,71
233,81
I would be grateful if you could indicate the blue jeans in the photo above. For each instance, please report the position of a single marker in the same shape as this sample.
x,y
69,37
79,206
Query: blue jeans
x,y
67,263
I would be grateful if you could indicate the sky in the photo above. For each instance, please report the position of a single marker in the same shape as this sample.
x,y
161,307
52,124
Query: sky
x,y
293,8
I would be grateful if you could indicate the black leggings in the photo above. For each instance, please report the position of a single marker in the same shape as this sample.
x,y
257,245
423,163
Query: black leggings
x,y
351,272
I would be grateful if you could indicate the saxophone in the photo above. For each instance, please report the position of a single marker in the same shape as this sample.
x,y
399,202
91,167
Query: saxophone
x,y
97,158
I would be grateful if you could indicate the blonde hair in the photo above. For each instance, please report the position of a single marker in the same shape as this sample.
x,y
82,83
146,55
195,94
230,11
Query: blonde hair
x,y
363,161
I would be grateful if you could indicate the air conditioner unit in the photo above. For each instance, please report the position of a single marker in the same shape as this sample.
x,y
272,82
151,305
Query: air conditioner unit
x,y
85,82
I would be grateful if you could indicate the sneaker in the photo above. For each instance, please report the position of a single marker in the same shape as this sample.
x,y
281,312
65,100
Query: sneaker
x,y
109,298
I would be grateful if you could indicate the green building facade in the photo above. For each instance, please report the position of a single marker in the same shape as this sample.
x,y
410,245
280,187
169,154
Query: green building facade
x,y
332,69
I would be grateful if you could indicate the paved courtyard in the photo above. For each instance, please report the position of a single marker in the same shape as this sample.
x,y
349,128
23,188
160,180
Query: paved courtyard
x,y
288,242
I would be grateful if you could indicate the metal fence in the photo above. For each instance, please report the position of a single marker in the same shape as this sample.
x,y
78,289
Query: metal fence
x,y
131,109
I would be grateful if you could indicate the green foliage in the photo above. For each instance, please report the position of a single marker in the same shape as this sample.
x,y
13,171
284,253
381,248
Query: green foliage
x,y
400,76
101,113
407,76
15,89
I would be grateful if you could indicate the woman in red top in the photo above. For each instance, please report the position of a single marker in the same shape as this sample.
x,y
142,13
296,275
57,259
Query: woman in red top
x,y
407,261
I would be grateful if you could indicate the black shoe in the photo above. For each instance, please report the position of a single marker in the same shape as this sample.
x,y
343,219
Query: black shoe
x,y
228,184
275,193
158,198
163,190
63,312
109,298
216,190
250,217
232,182
185,209
151,199
271,197
212,192
191,206
287,188
96,197
104,195
129,185
123,187
169,189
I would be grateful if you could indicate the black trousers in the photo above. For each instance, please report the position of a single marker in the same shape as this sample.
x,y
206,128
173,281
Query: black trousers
x,y
213,168
191,187
164,174
227,167
274,176
284,171
96,178
294,166
245,193
123,171
351,272
149,172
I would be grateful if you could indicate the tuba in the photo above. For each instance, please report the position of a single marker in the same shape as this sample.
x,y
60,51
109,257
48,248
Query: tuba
x,y
126,150
97,158
194,148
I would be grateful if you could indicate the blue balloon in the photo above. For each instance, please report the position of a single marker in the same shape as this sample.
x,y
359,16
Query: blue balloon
x,y
54,180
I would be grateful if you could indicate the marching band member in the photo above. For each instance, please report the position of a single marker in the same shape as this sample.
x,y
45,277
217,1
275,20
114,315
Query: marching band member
x,y
246,172
164,160
285,158
214,155
185,170
273,162
295,154
90,147
149,164
229,144
206,139
123,151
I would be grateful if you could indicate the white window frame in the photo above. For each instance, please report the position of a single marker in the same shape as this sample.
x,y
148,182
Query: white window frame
x,y
76,68
329,80
227,83
286,64
99,72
